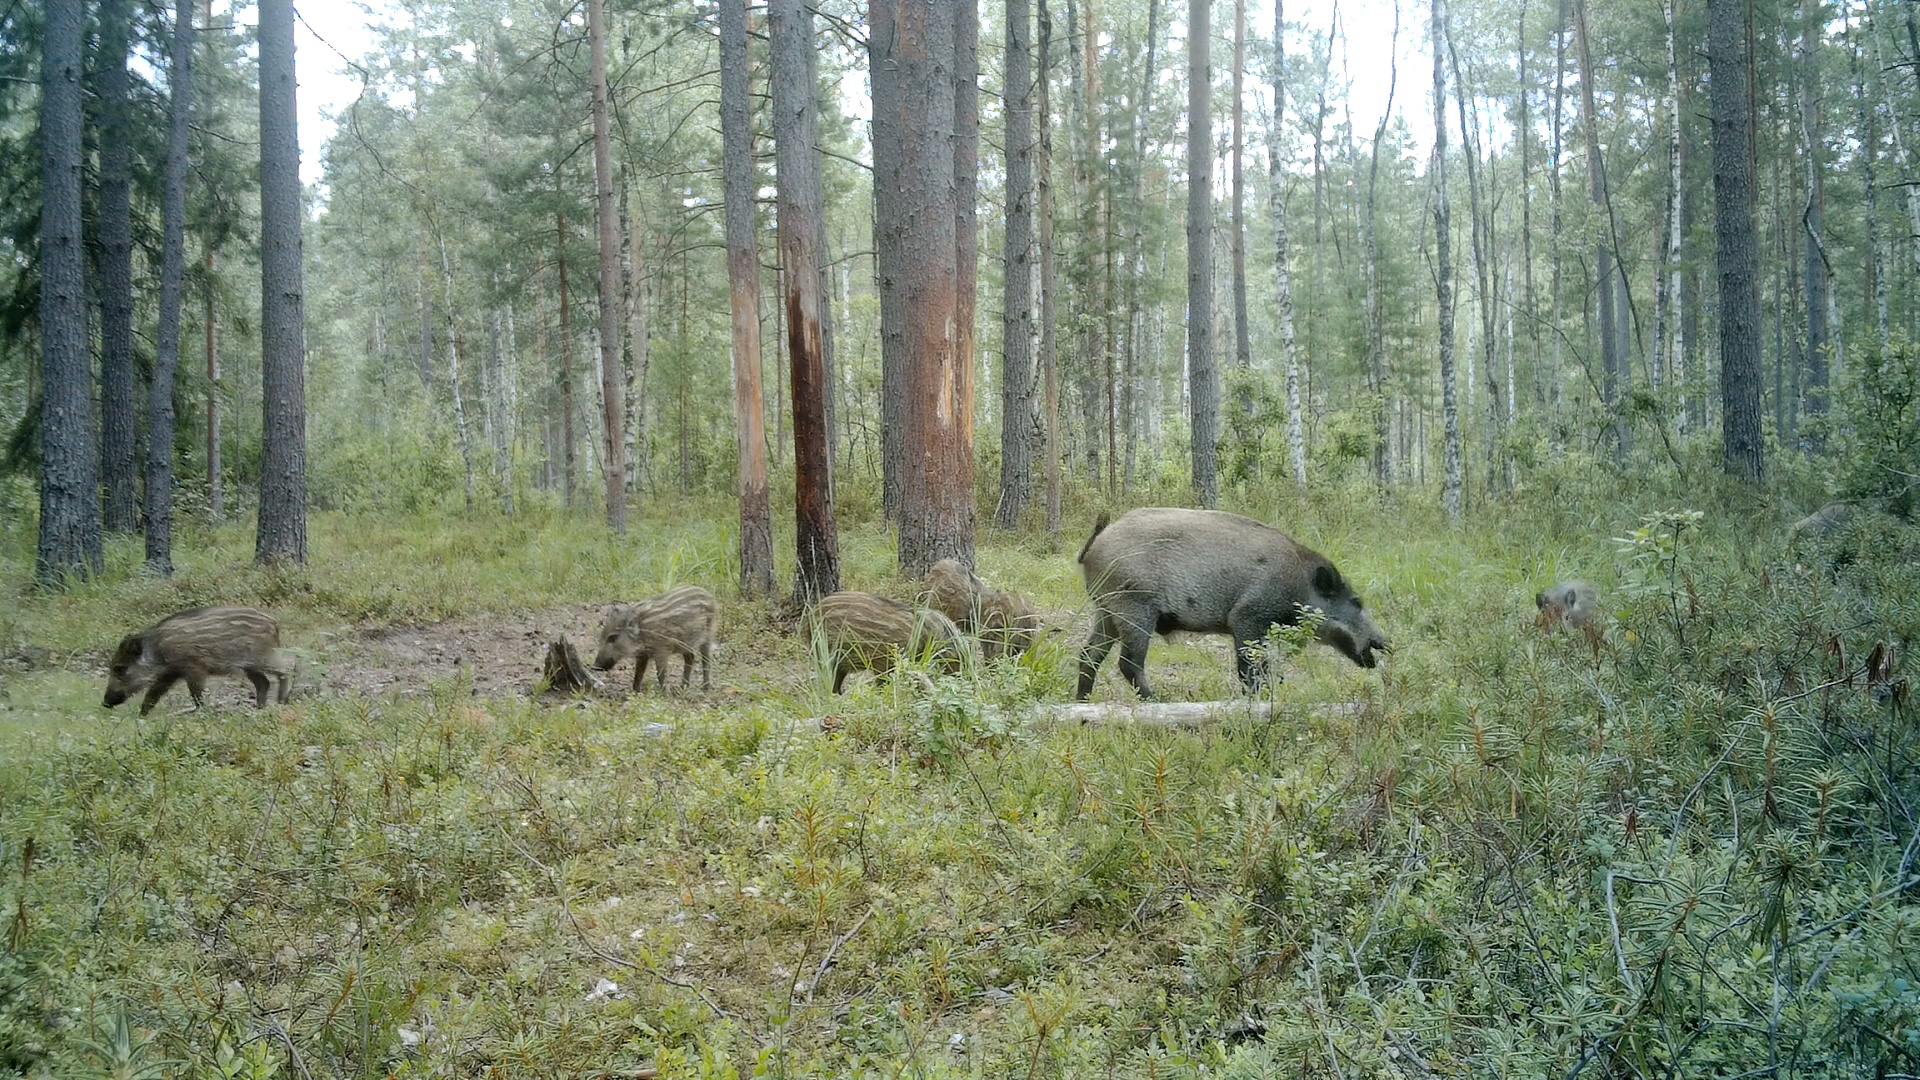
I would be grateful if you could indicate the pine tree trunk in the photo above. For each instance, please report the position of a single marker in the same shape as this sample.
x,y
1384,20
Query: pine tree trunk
x,y
215,511
1730,65
1205,399
743,280
1016,328
1277,208
883,73
118,451
613,451
1242,341
1443,272
173,267
1812,214
1138,321
1868,119
282,530
570,443
69,542
935,75
171,289
1049,342
797,173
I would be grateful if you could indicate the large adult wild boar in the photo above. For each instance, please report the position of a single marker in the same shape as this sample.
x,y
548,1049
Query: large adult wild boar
x,y
1161,569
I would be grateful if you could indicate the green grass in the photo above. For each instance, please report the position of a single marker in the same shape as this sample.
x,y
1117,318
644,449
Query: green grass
x,y
1683,858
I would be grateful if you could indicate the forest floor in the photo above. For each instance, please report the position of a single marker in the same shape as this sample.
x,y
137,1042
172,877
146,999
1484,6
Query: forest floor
x,y
1485,858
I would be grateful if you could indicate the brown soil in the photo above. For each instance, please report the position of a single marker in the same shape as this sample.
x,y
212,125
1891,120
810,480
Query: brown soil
x,y
501,655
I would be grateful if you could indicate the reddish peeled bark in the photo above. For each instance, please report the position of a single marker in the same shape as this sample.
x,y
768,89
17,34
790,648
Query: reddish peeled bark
x,y
797,176
743,282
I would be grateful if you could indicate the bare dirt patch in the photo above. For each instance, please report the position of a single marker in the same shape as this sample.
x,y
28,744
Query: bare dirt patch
x,y
501,655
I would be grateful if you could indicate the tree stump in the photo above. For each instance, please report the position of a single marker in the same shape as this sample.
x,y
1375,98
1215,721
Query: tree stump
x,y
564,673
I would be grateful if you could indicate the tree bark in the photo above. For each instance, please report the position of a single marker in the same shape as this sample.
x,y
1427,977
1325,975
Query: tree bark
x,y
1016,328
1283,282
1443,272
743,281
613,449
1242,341
1667,332
883,73
173,272
1812,215
936,509
797,173
69,542
1204,380
1867,117
215,511
282,532
117,379
1480,232
1729,67
1370,256
454,347
1613,362
1525,139
1049,342
569,439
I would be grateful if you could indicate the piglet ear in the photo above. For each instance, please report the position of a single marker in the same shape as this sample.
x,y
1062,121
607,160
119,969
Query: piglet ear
x,y
146,651
1326,580
1573,598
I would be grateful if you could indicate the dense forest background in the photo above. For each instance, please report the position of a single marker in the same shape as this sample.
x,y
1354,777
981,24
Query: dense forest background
x,y
580,299
453,313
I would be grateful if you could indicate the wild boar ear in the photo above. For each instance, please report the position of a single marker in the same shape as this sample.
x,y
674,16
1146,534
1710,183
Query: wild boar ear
x,y
1573,598
1326,580
146,649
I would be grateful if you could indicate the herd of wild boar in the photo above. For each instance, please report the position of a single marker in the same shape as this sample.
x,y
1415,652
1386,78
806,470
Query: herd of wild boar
x,y
1155,570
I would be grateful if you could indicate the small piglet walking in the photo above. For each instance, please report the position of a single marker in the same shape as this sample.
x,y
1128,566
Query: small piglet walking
x,y
194,645
678,622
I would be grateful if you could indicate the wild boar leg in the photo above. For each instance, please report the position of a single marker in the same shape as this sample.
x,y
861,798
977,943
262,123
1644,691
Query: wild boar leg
x,y
1250,659
706,665
197,686
840,675
639,671
686,670
260,684
1099,644
285,681
161,684
1135,635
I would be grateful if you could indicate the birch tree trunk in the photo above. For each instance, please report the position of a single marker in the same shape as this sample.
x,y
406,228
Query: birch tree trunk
x,y
453,370
1277,208
1666,298
1370,256
613,451
1443,271
1480,229
1242,343
1615,373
